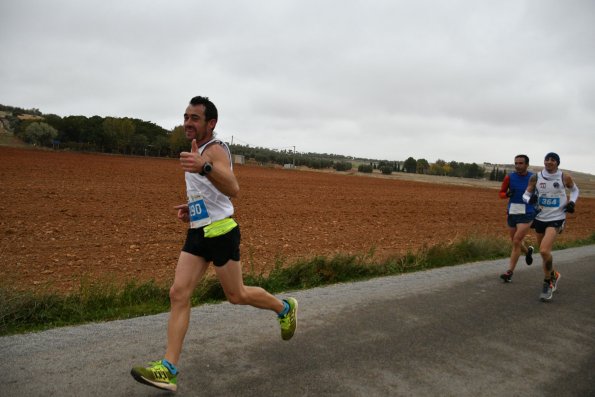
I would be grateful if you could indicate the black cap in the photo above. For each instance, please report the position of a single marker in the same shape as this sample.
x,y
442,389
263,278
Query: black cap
x,y
552,155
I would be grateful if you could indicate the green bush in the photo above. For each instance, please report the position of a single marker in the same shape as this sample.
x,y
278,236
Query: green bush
x,y
387,170
365,168
343,166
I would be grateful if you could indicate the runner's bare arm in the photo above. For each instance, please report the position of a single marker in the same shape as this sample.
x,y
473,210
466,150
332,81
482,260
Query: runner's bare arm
x,y
221,175
530,189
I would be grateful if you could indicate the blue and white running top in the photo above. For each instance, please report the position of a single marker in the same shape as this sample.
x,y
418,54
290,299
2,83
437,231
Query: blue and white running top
x,y
517,185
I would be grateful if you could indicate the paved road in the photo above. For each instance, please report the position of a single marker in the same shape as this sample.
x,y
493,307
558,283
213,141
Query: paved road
x,y
454,331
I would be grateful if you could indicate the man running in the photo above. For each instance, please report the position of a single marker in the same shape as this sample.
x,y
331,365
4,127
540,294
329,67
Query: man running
x,y
548,190
520,215
213,236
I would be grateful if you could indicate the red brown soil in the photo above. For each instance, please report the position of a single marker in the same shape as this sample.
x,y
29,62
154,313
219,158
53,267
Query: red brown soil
x,y
67,218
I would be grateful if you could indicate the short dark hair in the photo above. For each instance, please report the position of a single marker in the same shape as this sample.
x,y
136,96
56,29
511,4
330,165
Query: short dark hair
x,y
553,156
210,108
523,156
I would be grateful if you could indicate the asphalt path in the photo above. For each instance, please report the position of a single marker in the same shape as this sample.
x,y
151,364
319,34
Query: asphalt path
x,y
455,331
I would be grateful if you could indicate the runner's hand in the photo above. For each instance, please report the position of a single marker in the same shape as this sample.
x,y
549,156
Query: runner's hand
x,y
192,161
183,214
569,207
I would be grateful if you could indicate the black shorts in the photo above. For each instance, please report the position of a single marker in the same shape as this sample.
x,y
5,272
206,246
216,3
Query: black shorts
x,y
540,226
515,219
218,250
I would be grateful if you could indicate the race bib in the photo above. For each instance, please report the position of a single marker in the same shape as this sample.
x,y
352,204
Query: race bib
x,y
197,209
516,209
551,202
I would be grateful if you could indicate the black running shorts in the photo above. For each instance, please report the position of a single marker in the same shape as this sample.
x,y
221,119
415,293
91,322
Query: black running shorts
x,y
515,219
218,250
540,226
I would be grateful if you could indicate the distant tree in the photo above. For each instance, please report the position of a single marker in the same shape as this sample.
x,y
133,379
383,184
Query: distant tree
x,y
447,169
72,128
138,144
91,135
108,138
473,171
151,130
118,132
261,157
438,168
55,121
16,110
178,141
435,169
161,145
124,132
343,166
500,175
387,169
410,165
365,168
455,169
39,133
422,166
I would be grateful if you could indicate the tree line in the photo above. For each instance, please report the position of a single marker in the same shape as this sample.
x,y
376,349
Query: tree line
x,y
138,137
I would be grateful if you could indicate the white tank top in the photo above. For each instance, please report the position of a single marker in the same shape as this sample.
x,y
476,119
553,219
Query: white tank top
x,y
218,205
552,196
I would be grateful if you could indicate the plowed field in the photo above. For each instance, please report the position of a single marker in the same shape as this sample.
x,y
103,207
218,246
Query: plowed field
x,y
69,217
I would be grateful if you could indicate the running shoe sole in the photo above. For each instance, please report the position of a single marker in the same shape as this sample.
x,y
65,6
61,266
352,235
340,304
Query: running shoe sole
x,y
288,330
159,385
545,296
555,283
506,278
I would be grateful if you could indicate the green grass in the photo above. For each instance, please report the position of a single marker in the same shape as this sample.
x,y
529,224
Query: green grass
x,y
28,311
11,140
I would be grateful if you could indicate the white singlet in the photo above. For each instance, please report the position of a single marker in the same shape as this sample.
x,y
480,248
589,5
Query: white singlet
x,y
199,188
551,195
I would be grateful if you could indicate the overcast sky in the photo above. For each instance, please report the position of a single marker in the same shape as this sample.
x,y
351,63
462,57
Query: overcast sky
x,y
463,80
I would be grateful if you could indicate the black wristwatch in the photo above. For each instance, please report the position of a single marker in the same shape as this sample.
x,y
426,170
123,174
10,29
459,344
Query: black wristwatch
x,y
208,167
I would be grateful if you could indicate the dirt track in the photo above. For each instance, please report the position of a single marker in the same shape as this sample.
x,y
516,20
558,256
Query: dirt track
x,y
68,217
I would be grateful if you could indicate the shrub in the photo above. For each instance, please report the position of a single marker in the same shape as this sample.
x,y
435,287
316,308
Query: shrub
x,y
343,166
365,168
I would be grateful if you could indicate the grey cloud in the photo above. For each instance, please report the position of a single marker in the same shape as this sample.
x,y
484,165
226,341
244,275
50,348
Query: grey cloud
x,y
459,80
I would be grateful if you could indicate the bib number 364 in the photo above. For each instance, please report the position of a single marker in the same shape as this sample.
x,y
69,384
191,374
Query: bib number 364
x,y
551,202
197,209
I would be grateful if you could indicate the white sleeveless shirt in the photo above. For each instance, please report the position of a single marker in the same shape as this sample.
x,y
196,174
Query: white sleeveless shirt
x,y
551,196
218,205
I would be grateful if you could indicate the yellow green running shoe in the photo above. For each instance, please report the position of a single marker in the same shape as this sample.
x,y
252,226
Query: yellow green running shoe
x,y
289,321
156,374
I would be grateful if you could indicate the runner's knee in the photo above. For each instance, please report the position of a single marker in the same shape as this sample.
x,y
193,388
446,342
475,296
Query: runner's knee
x,y
234,299
178,295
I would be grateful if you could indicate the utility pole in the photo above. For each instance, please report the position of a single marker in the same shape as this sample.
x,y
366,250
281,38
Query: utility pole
x,y
294,156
